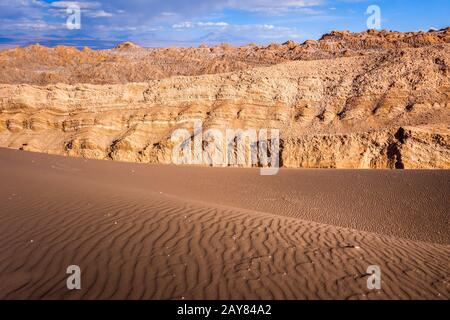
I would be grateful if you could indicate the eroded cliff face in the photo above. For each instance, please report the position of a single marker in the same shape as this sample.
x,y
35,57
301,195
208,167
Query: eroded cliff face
x,y
421,147
386,109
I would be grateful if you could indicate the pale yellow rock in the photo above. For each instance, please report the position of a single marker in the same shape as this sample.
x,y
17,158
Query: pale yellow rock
x,y
382,110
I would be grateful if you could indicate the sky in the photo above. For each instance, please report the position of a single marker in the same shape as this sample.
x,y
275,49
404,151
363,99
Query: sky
x,y
185,23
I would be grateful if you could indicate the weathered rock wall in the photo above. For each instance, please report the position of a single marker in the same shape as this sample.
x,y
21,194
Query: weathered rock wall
x,y
385,110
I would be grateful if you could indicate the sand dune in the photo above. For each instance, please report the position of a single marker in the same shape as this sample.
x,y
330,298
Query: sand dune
x,y
135,239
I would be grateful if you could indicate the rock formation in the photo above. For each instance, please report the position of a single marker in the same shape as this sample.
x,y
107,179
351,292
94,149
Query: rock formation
x,y
366,100
130,63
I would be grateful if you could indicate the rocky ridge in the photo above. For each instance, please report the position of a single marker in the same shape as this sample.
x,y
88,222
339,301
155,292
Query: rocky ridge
x,y
128,62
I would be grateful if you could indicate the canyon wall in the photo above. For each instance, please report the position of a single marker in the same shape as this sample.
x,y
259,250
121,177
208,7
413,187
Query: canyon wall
x,y
383,109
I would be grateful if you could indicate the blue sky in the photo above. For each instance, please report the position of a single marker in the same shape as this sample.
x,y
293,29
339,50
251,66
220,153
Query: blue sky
x,y
156,23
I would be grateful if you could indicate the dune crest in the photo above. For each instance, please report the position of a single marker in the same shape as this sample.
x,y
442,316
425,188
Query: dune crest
x,y
133,243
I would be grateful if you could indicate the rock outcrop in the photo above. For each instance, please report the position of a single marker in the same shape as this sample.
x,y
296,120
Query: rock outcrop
x,y
386,108
127,45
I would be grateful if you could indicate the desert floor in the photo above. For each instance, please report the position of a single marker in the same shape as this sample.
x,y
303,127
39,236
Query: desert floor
x,y
163,232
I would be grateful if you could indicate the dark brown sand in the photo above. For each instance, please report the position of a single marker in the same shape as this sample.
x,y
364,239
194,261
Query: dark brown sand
x,y
163,232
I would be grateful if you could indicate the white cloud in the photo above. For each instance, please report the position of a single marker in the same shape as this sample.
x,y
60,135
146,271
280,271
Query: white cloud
x,y
212,24
91,9
188,25
98,14
268,26
26,24
82,5
275,7
183,25
168,14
